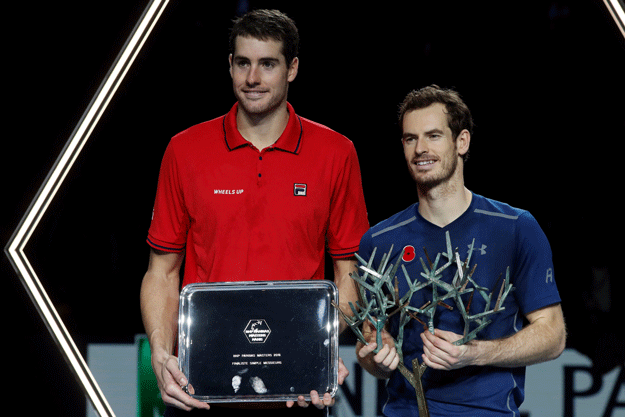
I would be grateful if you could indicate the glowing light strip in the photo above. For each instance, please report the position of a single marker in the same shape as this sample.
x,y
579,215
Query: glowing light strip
x,y
16,245
616,9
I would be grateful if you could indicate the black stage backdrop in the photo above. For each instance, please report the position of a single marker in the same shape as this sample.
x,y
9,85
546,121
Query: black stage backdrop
x,y
544,81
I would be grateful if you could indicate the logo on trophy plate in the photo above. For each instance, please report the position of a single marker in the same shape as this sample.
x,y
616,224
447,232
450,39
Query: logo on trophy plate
x,y
257,331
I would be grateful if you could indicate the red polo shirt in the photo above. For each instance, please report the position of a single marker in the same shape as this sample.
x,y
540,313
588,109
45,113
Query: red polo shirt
x,y
241,214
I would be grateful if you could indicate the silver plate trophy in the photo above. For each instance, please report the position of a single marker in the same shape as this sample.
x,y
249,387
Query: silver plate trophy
x,y
258,341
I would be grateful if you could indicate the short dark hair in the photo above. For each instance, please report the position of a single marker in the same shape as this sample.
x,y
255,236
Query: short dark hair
x,y
458,114
266,24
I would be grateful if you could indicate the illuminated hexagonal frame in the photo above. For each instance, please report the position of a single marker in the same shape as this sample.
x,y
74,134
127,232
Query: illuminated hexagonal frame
x,y
617,10
16,245
54,180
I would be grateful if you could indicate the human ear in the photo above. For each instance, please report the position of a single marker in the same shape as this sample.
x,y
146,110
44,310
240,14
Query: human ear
x,y
463,141
293,69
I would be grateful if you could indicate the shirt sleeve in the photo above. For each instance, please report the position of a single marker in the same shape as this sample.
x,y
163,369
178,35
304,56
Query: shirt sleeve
x,y
535,286
348,213
365,250
169,226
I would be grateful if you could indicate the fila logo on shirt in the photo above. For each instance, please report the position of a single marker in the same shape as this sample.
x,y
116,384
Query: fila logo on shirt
x,y
299,189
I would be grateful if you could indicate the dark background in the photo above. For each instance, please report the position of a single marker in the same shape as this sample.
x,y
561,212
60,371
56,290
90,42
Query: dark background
x,y
544,81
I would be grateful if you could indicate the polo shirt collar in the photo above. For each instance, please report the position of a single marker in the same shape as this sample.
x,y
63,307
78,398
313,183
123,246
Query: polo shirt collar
x,y
289,141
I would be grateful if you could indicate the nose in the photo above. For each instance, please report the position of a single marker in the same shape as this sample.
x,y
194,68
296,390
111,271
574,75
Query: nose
x,y
421,147
253,76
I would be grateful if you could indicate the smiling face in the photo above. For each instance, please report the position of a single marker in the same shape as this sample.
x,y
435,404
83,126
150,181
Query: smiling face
x,y
260,75
432,153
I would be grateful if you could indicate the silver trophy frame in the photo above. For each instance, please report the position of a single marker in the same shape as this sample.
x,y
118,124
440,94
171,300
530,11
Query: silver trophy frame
x,y
259,341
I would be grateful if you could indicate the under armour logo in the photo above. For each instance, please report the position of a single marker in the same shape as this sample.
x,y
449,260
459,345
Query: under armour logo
x,y
482,249
549,276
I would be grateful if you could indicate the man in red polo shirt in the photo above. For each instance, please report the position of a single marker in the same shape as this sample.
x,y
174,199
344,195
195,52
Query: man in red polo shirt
x,y
257,194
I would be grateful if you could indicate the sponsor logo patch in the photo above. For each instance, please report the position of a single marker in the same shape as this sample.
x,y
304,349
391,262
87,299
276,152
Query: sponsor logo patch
x,y
228,192
299,189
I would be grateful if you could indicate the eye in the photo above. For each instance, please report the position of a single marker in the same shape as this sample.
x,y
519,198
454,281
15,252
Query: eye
x,y
268,64
435,136
241,63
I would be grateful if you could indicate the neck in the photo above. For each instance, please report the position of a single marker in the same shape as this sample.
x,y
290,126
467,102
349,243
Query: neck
x,y
444,203
262,130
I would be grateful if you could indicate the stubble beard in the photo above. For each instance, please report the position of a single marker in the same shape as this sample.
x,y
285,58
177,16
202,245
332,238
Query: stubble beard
x,y
442,180
261,108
